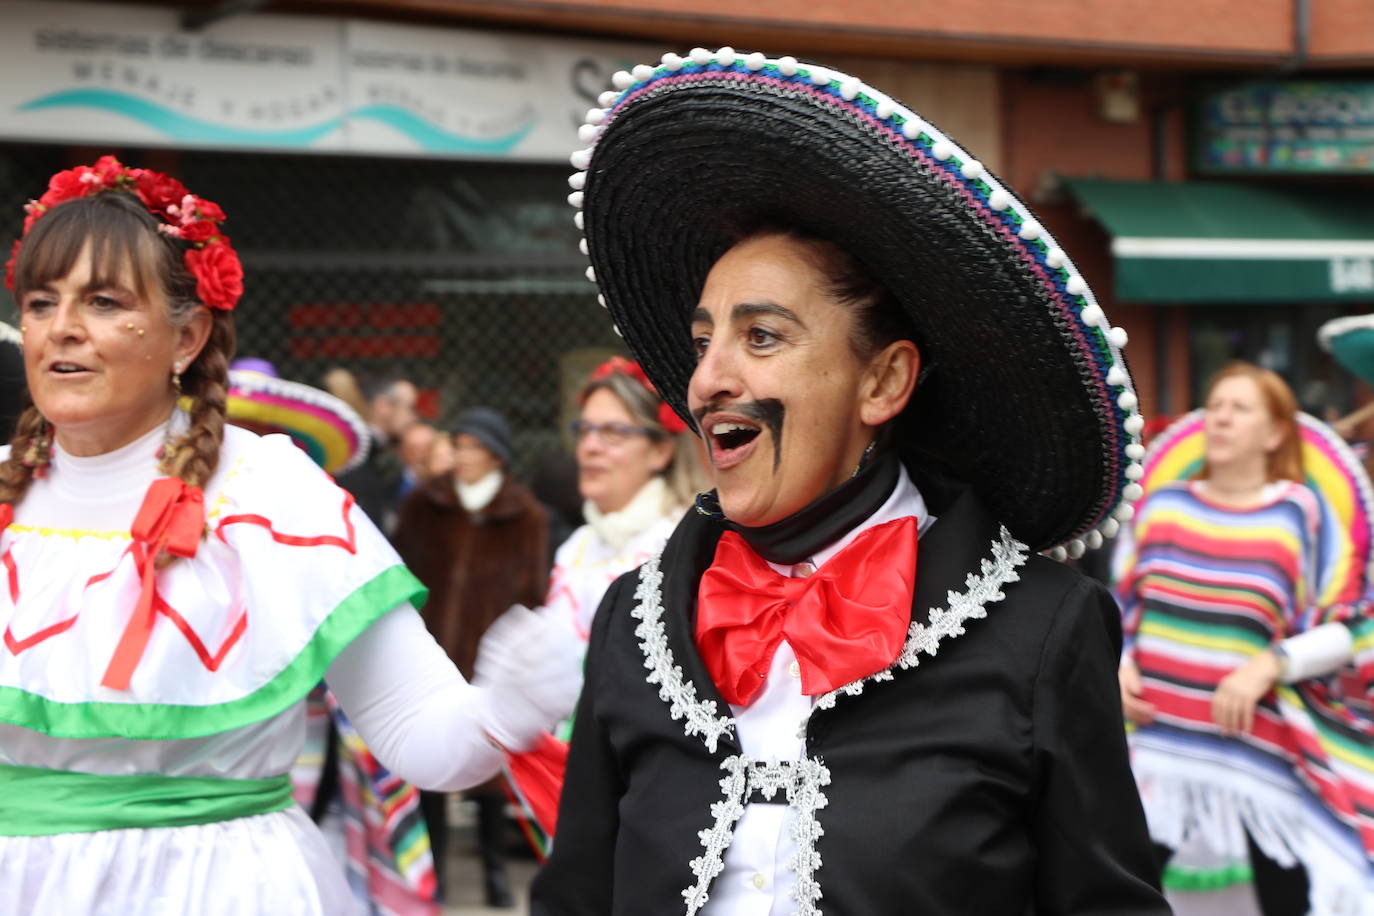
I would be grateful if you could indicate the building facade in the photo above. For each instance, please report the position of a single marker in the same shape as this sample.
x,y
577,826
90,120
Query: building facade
x,y
395,172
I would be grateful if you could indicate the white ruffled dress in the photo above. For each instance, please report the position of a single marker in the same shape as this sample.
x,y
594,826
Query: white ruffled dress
x,y
289,572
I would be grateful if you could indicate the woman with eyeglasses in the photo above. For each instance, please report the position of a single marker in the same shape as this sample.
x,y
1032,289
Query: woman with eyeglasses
x,y
637,471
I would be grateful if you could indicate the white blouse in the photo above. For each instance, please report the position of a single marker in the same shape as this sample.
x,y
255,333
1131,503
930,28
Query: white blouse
x,y
288,576
756,879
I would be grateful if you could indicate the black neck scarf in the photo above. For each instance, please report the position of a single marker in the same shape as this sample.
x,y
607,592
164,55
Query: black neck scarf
x,y
825,521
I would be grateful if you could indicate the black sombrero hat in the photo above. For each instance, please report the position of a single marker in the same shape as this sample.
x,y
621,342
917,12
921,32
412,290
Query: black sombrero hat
x,y
1028,398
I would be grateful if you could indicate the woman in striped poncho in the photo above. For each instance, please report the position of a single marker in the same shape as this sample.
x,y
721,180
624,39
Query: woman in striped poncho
x,y
1241,614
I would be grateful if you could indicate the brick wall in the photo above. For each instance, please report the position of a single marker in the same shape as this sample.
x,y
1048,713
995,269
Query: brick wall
x,y
1052,129
1161,33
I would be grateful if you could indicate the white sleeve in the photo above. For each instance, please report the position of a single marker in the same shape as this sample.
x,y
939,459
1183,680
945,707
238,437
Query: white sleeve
x,y
1318,652
411,705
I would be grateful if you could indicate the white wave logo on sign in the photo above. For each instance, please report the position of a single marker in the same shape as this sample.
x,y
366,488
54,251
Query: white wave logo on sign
x,y
83,72
101,73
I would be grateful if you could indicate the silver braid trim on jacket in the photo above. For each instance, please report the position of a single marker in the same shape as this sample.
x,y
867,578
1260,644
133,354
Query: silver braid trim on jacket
x,y
980,589
680,694
802,780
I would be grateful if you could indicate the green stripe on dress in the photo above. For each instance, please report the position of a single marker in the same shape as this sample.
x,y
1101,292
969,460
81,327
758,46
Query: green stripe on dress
x,y
167,722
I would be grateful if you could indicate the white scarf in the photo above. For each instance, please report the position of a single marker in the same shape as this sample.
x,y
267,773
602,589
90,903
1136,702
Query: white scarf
x,y
477,496
645,508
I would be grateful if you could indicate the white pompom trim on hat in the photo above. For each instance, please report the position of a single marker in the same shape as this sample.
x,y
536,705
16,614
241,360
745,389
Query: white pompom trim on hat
x,y
942,149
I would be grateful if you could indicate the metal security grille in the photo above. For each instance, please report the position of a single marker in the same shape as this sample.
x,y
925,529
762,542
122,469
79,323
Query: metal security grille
x,y
463,276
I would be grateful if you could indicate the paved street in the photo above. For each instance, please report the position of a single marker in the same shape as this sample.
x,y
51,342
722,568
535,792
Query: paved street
x,y
464,870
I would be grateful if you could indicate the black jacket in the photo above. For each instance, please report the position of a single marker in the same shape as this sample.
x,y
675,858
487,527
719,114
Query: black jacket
x,y
376,485
989,779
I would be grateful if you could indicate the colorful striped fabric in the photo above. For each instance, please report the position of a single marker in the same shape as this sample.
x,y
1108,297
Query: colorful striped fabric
x,y
385,846
1331,469
1203,588
390,865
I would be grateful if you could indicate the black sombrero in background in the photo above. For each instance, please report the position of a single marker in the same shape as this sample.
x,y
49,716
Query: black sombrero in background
x,y
1028,398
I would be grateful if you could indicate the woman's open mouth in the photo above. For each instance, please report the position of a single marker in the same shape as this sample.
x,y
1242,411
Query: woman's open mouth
x,y
67,368
732,441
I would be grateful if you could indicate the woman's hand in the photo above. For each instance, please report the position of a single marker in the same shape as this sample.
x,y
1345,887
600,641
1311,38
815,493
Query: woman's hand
x,y
530,678
1235,699
1139,711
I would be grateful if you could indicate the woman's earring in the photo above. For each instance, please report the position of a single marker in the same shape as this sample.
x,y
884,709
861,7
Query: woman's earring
x,y
176,377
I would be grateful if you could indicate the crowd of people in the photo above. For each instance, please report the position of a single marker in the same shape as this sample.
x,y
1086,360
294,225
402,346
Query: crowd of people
x,y
807,644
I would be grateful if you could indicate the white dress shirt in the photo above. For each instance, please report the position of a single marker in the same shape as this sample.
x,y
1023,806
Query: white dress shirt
x,y
757,879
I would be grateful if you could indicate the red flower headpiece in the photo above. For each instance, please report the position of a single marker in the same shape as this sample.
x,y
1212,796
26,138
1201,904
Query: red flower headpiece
x,y
667,418
211,259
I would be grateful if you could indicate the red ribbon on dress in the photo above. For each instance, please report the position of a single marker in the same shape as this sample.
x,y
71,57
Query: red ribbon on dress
x,y
11,573
844,622
171,519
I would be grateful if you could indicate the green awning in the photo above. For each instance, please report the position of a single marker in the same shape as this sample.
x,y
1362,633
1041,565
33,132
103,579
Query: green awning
x,y
1201,242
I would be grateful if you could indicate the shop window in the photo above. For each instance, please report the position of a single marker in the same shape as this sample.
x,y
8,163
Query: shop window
x,y
1281,338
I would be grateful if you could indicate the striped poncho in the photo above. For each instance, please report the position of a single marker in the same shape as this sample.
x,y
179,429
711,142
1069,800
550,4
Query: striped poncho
x,y
1203,588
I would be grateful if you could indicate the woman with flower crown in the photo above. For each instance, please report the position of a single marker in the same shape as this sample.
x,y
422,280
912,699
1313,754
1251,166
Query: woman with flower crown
x,y
174,587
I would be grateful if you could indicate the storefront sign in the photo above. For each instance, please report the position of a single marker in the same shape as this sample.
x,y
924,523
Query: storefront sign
x,y
96,73
1352,275
1288,127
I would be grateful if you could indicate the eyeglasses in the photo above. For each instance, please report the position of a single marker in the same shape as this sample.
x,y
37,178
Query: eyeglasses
x,y
609,433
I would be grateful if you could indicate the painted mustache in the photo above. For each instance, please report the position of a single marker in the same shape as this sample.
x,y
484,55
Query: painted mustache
x,y
768,413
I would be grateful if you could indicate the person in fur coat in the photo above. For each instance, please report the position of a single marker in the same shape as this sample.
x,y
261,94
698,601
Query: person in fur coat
x,y
478,539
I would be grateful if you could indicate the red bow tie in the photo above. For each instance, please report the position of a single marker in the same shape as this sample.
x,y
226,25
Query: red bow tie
x,y
845,622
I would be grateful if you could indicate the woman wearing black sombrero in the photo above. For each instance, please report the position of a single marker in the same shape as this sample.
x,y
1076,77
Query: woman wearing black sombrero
x,y
888,357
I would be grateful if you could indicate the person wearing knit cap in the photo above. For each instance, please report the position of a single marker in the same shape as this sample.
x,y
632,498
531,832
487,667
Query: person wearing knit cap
x,y
478,539
489,428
